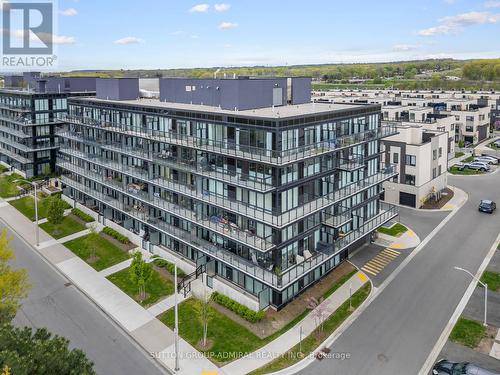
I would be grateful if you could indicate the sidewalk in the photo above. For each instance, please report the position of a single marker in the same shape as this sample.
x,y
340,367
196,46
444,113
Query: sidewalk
x,y
407,240
291,338
155,337
142,324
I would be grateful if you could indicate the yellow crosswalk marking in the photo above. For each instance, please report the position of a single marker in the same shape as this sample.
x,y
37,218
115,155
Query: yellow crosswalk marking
x,y
373,267
380,262
392,251
368,271
387,256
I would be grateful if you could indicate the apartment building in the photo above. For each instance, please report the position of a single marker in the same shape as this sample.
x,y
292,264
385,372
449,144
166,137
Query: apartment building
x,y
31,110
244,180
420,154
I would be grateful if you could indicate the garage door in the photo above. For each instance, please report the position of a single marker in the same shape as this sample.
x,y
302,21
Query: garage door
x,y
407,199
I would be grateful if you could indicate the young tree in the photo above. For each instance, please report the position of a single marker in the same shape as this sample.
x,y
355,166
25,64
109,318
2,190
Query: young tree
x,y
140,272
205,312
25,352
55,212
89,242
319,310
13,283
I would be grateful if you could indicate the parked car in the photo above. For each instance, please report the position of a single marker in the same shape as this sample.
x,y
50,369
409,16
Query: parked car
x,y
497,143
487,206
486,159
444,367
476,165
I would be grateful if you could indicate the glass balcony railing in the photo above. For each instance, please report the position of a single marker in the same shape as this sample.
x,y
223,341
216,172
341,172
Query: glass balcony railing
x,y
272,218
15,107
261,184
14,132
28,148
237,150
216,224
13,155
252,268
19,120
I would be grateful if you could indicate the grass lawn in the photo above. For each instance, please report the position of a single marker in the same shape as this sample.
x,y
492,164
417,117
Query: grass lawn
x,y
492,279
459,154
107,253
467,332
157,286
227,336
470,159
8,188
396,230
68,226
455,170
314,340
26,206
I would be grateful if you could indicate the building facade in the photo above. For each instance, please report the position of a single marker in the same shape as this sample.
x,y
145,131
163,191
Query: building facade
x,y
421,156
31,111
265,201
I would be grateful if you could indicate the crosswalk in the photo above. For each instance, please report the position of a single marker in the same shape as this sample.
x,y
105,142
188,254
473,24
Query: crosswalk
x,y
375,265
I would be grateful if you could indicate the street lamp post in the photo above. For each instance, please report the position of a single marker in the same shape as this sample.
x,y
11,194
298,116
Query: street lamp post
x,y
485,292
37,230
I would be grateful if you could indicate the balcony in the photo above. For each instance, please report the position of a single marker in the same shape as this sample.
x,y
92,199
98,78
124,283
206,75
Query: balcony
x,y
252,268
16,133
206,170
189,166
19,120
267,217
15,107
15,156
240,151
28,148
216,224
336,220
352,163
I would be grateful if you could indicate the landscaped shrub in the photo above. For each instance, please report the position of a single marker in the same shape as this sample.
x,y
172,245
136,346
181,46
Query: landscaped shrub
x,y
116,235
238,308
82,215
170,267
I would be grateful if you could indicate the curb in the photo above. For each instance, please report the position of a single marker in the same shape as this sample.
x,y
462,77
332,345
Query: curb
x,y
100,308
309,359
294,369
433,355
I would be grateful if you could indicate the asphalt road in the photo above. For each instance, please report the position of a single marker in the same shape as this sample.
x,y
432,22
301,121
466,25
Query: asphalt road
x,y
59,306
397,331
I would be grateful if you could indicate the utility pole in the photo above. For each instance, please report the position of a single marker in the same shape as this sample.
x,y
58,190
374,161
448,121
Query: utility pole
x,y
176,327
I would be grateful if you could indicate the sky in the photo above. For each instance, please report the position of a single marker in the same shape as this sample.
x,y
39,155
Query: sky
x,y
154,34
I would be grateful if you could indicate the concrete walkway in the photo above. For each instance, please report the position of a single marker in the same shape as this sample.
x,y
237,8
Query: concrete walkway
x,y
53,241
141,323
407,240
155,337
291,338
165,304
116,268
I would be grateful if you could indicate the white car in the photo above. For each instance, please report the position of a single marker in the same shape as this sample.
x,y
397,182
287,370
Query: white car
x,y
486,159
476,165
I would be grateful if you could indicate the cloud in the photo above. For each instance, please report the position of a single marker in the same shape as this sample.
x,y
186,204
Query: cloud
x,y
492,4
404,47
227,25
128,40
454,24
450,2
70,12
177,32
199,8
222,7
43,37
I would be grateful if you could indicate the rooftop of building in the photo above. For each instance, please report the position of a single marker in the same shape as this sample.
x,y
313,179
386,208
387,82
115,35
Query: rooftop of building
x,y
278,112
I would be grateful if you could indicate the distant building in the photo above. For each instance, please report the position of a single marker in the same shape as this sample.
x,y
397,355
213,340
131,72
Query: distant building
x,y
32,109
422,162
